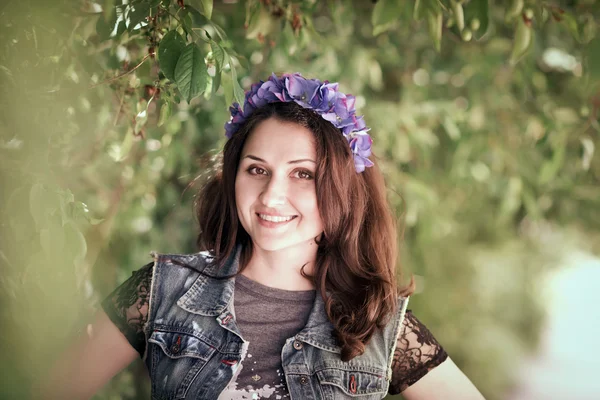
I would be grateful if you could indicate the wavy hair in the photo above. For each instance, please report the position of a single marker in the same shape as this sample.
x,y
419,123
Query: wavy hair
x,y
357,253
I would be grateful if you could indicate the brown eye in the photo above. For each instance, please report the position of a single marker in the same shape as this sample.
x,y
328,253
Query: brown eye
x,y
256,171
303,174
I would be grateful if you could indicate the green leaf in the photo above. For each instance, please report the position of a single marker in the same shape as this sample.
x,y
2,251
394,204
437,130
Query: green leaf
x,y
477,13
218,55
384,16
121,27
262,23
522,42
206,8
105,27
190,73
109,9
238,92
514,10
569,21
138,14
216,81
593,58
169,51
197,18
165,112
458,12
434,23
422,7
227,84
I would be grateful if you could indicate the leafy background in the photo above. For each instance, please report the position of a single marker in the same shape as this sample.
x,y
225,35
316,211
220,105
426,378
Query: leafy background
x,y
485,116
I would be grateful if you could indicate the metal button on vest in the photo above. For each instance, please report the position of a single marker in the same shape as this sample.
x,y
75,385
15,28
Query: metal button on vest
x,y
303,380
298,345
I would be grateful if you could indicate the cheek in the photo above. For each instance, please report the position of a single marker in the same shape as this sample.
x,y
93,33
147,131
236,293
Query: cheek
x,y
306,201
244,193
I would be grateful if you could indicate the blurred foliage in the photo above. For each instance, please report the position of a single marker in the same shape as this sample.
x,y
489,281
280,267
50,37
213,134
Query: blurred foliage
x,y
485,117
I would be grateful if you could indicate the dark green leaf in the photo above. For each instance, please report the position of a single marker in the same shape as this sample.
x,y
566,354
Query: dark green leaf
x,y
105,27
121,28
190,73
477,15
169,51
137,15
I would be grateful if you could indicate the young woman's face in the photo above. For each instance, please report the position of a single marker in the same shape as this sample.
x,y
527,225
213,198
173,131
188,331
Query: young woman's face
x,y
275,186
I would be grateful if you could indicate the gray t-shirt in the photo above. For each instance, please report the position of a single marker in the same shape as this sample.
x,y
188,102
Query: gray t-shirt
x,y
266,317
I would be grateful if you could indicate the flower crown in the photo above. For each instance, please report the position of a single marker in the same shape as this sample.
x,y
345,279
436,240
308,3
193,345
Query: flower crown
x,y
323,97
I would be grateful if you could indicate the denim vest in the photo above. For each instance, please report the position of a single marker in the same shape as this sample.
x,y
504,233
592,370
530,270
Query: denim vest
x,y
195,347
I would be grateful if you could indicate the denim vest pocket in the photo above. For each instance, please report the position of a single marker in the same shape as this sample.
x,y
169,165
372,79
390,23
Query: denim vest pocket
x,y
178,359
350,384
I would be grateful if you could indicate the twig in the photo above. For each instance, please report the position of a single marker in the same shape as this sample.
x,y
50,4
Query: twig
x,y
123,74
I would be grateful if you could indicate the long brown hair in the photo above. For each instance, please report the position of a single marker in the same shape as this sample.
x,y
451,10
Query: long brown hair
x,y
356,257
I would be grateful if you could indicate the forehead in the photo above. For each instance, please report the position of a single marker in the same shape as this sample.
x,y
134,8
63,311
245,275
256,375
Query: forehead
x,y
278,141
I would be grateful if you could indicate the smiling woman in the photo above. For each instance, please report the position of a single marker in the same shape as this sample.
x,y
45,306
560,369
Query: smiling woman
x,y
295,292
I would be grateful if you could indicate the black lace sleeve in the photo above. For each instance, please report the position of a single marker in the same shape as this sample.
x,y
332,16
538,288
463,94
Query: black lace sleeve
x,y
127,307
417,352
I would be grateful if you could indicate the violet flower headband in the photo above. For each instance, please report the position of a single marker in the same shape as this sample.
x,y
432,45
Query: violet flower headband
x,y
323,97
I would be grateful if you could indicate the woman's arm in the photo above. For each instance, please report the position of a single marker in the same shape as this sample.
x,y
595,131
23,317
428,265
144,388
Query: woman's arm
x,y
421,368
446,382
97,356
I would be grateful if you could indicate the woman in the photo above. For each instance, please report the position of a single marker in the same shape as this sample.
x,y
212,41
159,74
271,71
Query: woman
x,y
295,295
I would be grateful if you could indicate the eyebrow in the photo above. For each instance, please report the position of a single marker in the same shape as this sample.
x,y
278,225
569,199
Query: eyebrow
x,y
289,162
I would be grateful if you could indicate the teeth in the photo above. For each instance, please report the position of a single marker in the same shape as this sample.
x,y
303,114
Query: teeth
x,y
274,219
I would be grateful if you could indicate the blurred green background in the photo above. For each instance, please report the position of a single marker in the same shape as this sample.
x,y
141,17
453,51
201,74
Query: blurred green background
x,y
485,117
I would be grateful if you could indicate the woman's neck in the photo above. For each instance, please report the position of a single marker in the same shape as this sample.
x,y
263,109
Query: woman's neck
x,y
282,269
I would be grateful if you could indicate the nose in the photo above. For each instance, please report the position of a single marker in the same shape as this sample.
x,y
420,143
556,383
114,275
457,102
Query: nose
x,y
275,192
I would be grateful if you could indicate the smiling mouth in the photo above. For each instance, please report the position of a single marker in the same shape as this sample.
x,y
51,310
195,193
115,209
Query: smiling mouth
x,y
273,218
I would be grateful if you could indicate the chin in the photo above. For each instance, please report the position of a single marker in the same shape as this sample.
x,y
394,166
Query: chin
x,y
272,245
278,244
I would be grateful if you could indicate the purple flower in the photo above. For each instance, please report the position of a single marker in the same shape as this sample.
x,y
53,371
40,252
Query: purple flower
x,y
360,144
323,97
301,90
